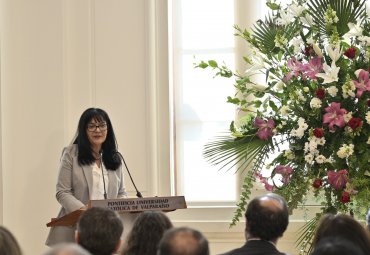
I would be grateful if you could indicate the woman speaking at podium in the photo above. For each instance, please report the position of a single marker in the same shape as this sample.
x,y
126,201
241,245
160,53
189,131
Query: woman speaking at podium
x,y
90,168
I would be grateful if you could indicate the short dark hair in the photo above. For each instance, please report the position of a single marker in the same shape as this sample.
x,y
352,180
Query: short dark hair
x,y
334,246
146,233
99,230
267,222
8,243
109,147
183,241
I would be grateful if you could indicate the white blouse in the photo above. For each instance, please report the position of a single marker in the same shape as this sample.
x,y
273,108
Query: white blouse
x,y
98,184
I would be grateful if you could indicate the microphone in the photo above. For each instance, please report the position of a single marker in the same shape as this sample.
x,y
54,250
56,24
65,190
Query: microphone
x,y
138,194
102,173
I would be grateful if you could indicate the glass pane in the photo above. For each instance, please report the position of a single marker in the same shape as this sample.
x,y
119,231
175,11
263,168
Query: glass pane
x,y
206,22
205,32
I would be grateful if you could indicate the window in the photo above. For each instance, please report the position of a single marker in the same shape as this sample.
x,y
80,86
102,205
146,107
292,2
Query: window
x,y
203,31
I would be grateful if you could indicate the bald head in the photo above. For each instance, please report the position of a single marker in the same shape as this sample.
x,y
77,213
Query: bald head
x,y
267,217
183,241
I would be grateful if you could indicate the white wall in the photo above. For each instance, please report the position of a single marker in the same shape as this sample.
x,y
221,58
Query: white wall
x,y
59,58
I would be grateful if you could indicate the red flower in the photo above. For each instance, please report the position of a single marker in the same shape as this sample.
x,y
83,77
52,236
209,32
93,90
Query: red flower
x,y
320,93
308,50
318,132
338,180
368,102
345,198
355,122
350,53
317,183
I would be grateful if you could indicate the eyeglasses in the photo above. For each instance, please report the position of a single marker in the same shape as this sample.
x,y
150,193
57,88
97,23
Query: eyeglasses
x,y
93,127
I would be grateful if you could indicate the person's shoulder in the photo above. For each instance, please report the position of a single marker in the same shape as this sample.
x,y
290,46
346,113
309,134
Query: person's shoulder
x,y
70,150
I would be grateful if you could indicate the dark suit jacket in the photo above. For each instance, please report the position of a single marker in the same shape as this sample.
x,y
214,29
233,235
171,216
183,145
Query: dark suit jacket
x,y
255,247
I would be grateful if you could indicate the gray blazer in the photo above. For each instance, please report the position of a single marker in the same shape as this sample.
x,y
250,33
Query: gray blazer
x,y
73,191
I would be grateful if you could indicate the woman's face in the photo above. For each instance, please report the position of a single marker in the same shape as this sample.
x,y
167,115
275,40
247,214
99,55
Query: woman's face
x,y
97,132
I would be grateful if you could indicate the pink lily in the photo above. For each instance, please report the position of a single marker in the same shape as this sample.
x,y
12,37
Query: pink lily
x,y
338,180
264,128
313,67
334,115
295,66
363,83
285,171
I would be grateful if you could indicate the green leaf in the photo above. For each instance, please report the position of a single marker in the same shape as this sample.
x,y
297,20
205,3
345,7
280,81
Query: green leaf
x,y
212,63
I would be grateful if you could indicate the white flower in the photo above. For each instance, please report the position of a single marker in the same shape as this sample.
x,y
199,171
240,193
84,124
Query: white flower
x,y
258,87
308,158
368,117
354,30
345,150
284,110
297,42
334,52
321,141
365,40
317,50
331,73
310,41
308,21
332,90
368,141
306,89
289,154
280,85
347,116
315,102
320,159
348,89
285,18
296,10
300,96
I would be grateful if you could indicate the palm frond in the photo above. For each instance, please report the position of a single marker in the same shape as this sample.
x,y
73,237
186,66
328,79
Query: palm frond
x,y
306,234
229,152
348,11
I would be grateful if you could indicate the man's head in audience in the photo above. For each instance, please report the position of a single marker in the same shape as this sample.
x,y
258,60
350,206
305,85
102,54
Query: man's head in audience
x,y
183,241
67,249
266,217
99,231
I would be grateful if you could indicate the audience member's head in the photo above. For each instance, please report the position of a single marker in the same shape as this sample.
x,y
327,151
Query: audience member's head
x,y
345,227
146,233
99,231
267,217
336,246
183,241
8,243
67,249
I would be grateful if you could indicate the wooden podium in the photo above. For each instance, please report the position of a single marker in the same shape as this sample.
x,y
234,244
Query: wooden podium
x,y
124,205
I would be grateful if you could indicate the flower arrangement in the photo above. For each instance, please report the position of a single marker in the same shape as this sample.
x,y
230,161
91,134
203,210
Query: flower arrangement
x,y
313,110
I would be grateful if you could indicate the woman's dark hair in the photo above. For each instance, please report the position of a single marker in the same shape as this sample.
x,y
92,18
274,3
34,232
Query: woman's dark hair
x,y
111,160
336,246
8,243
342,226
146,233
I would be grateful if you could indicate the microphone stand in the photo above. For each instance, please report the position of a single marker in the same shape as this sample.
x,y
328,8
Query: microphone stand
x,y
102,173
138,194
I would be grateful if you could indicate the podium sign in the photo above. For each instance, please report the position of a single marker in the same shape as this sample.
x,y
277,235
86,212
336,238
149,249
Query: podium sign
x,y
141,204
124,205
